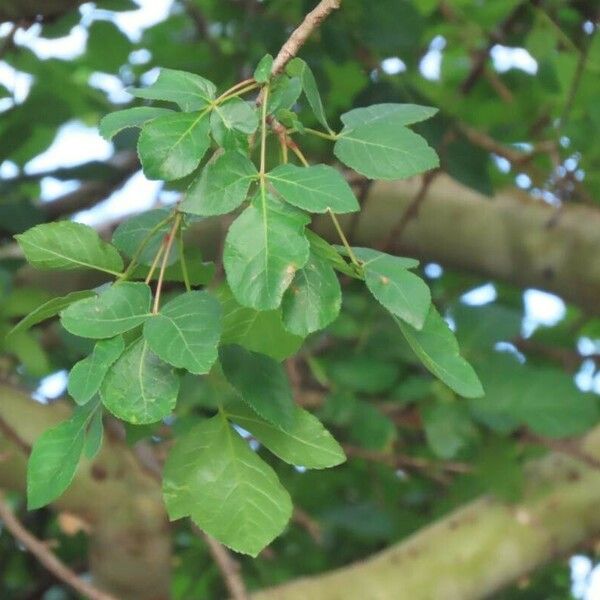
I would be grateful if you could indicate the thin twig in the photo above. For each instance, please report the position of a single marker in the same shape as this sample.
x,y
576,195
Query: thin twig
x,y
228,566
46,557
163,266
311,21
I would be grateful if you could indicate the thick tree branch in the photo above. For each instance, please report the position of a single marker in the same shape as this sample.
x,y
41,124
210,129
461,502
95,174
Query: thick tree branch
x,y
478,549
46,557
130,546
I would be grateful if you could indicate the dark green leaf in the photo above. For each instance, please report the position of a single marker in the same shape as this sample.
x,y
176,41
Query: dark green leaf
x,y
262,73
297,67
261,382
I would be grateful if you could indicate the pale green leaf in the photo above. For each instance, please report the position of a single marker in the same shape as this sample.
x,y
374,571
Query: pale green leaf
x,y
186,331
87,375
436,347
262,73
55,456
384,149
259,331
172,146
130,234
401,292
261,382
140,388
115,122
314,298
213,476
49,309
189,91
94,436
264,248
402,114
297,67
115,310
316,189
307,443
222,186
68,245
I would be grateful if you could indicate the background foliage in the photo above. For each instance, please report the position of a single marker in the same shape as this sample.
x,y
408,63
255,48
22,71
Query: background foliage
x,y
416,450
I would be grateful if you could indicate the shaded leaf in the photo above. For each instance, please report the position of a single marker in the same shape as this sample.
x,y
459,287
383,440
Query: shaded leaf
x,y
261,382
297,67
115,122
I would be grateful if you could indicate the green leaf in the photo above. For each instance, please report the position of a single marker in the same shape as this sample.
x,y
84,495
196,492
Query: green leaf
x,y
140,388
401,292
370,428
191,92
87,375
68,245
222,186
307,443
186,331
261,382
436,347
316,189
264,248
384,149
314,298
284,93
117,309
262,73
213,476
172,146
297,67
448,428
235,114
115,122
401,114
327,252
259,331
94,436
49,309
129,235
54,458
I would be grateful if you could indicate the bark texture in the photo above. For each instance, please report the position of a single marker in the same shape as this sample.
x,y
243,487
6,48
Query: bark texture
x,y
510,237
130,553
478,549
